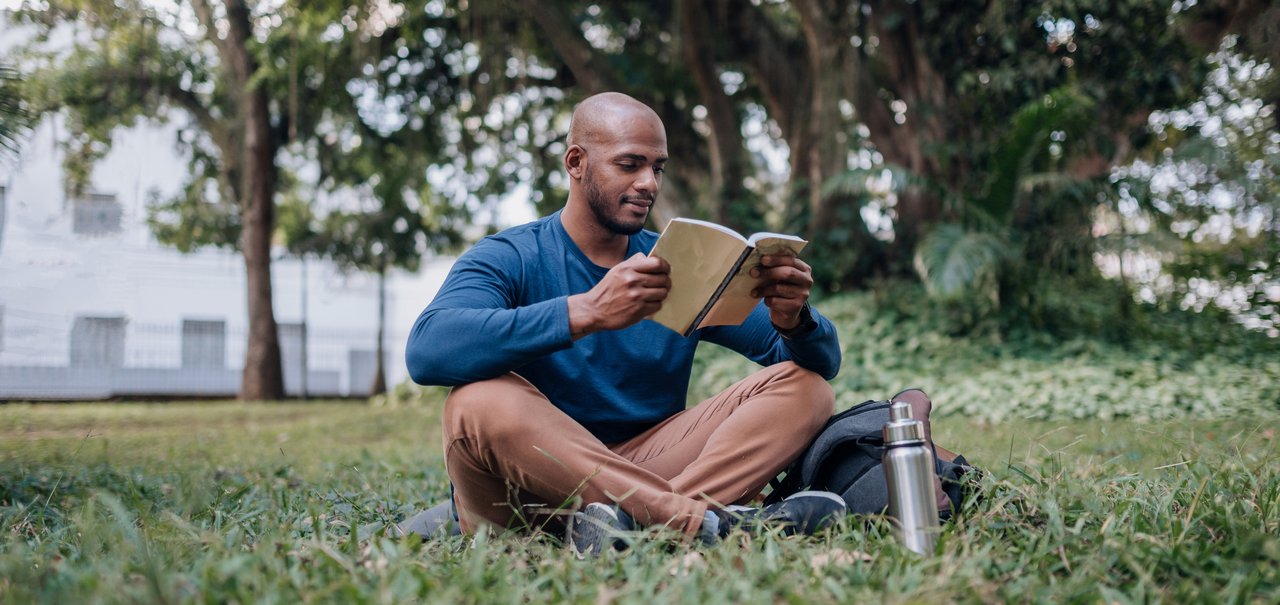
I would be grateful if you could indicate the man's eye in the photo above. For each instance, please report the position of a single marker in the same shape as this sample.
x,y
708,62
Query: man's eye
x,y
659,169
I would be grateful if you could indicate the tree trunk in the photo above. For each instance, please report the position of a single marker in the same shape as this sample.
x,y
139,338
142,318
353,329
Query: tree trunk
x,y
379,373
911,78
263,378
828,145
731,203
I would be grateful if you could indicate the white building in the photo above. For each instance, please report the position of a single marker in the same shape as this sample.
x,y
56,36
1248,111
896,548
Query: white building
x,y
91,305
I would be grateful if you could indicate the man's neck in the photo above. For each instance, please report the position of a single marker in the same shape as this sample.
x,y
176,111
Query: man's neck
x,y
602,246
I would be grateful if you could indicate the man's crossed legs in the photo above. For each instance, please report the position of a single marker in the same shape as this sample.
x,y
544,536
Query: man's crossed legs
x,y
514,458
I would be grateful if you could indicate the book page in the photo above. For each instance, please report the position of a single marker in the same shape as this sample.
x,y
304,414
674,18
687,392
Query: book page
x,y
701,255
736,302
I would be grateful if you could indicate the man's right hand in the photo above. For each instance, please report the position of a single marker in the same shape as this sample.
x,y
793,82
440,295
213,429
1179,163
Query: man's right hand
x,y
631,291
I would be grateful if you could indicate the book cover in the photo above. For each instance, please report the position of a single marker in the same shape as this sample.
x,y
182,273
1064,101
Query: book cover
x,y
710,272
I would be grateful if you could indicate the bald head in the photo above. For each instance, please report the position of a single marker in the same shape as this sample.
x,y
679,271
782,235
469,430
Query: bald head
x,y
616,155
599,117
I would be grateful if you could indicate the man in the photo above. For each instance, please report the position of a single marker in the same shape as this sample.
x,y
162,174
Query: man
x,y
565,395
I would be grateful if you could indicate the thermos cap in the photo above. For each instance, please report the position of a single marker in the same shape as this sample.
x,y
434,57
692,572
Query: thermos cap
x,y
901,426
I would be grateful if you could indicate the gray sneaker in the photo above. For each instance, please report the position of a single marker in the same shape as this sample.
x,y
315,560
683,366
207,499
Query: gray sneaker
x,y
598,527
803,513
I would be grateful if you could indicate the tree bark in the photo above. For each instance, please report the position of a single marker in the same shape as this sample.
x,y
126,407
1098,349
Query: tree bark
x,y
263,377
583,60
730,201
910,77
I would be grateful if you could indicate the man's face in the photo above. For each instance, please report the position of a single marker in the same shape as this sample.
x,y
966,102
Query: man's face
x,y
621,178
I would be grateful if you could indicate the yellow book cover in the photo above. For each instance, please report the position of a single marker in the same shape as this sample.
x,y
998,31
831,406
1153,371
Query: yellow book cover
x,y
711,282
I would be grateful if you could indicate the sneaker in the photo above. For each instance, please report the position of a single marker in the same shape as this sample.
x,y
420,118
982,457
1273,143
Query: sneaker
x,y
803,513
597,528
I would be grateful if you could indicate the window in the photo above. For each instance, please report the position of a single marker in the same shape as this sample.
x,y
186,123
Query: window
x,y
204,344
97,342
96,214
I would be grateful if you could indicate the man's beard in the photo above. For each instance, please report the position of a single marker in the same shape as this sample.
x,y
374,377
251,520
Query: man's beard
x,y
606,210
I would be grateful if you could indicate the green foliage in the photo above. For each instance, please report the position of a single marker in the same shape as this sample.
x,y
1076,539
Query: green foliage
x,y
1218,217
1167,365
953,262
1028,218
14,118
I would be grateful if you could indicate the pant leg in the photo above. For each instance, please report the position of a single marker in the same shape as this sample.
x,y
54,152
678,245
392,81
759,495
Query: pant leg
x,y
727,448
503,438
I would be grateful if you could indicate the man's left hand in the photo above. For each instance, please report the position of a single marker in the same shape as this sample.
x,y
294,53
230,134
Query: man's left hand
x,y
787,281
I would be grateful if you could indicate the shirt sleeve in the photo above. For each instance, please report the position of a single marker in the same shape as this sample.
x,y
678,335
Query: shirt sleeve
x,y
757,339
473,330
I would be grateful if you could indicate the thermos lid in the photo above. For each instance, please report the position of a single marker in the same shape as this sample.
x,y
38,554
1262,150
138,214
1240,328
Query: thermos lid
x,y
901,426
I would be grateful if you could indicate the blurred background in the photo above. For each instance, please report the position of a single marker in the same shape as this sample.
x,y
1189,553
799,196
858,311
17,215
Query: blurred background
x,y
214,198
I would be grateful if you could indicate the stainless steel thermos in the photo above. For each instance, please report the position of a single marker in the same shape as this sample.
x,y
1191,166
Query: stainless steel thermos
x,y
909,473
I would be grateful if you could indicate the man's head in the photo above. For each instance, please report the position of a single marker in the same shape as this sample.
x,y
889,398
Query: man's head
x,y
617,151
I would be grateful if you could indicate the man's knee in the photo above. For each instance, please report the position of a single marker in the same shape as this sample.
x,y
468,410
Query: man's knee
x,y
814,399
489,408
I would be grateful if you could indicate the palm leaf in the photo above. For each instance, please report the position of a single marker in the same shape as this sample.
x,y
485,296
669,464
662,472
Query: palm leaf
x,y
953,261
1024,148
14,119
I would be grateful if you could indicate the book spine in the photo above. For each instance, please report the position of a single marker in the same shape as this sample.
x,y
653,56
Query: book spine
x,y
724,283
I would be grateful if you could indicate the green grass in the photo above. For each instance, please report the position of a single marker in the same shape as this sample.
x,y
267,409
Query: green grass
x,y
1113,474
231,502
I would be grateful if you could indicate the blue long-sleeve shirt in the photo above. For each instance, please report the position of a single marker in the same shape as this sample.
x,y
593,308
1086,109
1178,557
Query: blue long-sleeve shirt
x,y
504,308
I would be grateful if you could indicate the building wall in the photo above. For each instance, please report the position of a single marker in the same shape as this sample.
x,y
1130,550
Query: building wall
x,y
69,296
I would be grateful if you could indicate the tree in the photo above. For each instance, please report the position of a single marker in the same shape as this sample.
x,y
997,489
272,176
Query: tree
x,y
132,62
999,125
256,81
923,88
1211,186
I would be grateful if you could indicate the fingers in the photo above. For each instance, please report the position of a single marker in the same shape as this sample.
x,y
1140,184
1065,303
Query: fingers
x,y
783,276
647,264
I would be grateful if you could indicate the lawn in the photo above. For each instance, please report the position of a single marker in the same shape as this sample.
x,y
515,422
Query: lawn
x,y
228,502
1133,473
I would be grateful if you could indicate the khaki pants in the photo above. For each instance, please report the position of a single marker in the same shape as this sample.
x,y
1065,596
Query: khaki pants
x,y
514,458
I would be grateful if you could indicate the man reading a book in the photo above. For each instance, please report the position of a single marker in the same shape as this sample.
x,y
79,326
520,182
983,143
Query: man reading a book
x,y
565,397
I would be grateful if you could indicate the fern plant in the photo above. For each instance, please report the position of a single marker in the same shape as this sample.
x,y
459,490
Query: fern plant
x,y
14,119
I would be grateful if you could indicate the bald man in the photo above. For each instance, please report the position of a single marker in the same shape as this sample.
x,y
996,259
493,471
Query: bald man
x,y
565,399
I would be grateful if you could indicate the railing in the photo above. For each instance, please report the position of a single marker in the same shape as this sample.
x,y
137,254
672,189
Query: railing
x,y
47,356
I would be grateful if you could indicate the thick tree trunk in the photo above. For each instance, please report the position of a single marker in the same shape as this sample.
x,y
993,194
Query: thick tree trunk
x,y
827,144
263,378
912,79
731,203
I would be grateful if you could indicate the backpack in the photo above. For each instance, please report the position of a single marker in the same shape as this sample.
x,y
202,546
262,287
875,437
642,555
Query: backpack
x,y
844,458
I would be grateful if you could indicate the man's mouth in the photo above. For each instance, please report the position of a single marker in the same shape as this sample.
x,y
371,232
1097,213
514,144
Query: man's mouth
x,y
637,201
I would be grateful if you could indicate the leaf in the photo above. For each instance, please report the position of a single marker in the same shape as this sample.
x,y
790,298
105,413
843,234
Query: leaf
x,y
953,261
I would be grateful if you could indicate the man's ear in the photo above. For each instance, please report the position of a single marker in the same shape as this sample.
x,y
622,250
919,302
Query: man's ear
x,y
575,161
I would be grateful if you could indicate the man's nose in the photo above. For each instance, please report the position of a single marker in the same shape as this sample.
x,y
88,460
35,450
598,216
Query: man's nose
x,y
647,182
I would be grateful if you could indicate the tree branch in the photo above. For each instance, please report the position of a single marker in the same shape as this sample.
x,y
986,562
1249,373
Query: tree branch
x,y
755,37
584,61
204,13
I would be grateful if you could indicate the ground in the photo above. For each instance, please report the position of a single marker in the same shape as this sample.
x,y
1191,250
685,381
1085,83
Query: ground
x,y
230,502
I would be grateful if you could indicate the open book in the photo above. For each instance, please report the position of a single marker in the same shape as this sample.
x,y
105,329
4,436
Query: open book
x,y
711,282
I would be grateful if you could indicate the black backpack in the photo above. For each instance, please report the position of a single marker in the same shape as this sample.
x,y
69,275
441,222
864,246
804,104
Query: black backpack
x,y
845,459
